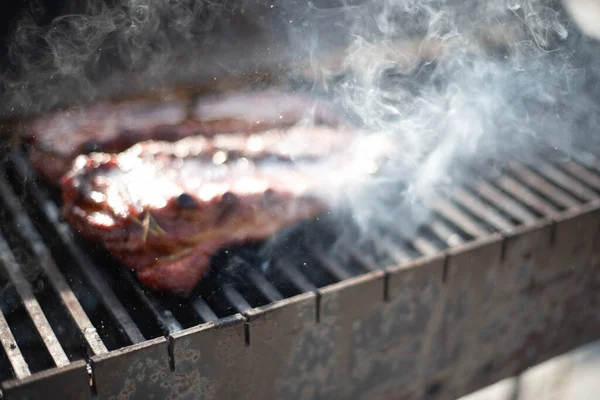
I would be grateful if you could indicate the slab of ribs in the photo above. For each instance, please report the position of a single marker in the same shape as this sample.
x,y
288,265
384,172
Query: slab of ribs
x,y
165,186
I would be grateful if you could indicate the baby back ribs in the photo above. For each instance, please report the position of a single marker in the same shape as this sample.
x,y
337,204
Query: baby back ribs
x,y
55,140
163,208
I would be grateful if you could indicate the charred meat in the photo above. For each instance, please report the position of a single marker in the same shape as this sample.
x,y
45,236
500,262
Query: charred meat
x,y
56,140
165,208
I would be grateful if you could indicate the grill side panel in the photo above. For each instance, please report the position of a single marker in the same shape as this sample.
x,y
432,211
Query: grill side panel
x,y
140,371
285,340
473,308
211,361
554,312
441,327
346,310
69,383
471,277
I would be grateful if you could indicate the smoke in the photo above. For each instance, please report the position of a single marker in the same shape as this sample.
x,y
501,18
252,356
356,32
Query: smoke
x,y
456,84
460,86
97,49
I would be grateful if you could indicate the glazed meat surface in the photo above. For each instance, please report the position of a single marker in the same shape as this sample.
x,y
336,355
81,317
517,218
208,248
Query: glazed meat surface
x,y
164,209
55,140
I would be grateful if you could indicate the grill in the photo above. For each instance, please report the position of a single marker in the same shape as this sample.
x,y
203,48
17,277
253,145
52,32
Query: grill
x,y
503,276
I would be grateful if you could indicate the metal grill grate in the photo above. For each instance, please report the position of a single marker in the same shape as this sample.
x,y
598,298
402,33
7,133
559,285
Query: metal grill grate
x,y
51,279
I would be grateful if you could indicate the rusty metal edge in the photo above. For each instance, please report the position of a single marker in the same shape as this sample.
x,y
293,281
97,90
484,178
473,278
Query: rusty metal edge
x,y
129,349
524,229
226,322
417,262
231,322
352,283
103,365
372,286
454,251
258,312
12,388
414,265
587,208
475,244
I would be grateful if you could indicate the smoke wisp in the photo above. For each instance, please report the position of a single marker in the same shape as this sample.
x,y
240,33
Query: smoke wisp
x,y
455,84
97,49
459,86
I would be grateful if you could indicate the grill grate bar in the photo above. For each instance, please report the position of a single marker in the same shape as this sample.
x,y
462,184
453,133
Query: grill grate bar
x,y
203,310
95,278
82,262
503,202
291,272
588,159
538,183
364,261
236,299
446,234
31,304
483,211
384,245
265,287
460,219
17,362
326,262
424,246
562,179
526,196
582,174
165,318
45,261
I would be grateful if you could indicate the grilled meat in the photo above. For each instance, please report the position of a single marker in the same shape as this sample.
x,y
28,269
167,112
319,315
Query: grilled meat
x,y
56,140
164,209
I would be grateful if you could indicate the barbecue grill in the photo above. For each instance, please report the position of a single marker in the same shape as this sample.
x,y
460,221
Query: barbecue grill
x,y
504,275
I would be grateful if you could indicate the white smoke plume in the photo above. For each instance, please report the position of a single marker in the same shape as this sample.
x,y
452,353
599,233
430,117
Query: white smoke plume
x,y
455,83
96,49
459,85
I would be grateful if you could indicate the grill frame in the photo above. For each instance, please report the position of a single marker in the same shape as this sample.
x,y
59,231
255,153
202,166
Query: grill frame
x,y
434,325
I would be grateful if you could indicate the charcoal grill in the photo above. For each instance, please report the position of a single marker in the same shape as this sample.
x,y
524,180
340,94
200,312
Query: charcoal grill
x,y
505,275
